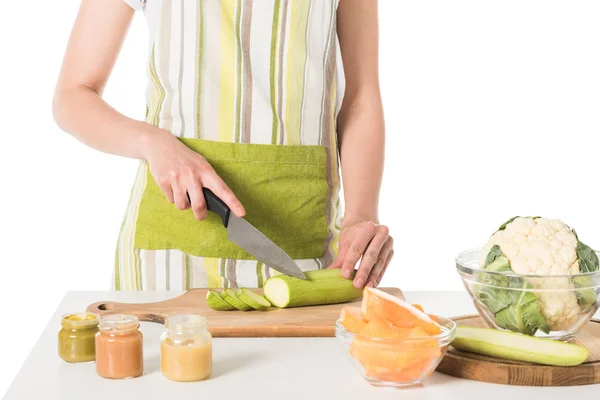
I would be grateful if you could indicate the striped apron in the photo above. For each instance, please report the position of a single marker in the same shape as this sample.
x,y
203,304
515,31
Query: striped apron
x,y
248,72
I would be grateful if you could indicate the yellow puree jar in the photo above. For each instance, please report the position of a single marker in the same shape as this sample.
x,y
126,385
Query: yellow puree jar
x,y
186,349
76,339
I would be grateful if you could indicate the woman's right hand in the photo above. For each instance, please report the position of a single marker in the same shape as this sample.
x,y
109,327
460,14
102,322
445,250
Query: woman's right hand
x,y
180,171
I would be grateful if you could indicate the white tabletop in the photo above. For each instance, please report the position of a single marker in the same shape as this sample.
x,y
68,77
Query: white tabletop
x,y
250,368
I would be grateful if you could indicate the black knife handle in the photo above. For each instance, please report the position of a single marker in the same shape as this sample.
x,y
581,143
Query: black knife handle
x,y
216,205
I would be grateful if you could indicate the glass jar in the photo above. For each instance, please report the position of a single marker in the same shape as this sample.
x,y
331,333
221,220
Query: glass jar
x,y
76,338
119,347
186,348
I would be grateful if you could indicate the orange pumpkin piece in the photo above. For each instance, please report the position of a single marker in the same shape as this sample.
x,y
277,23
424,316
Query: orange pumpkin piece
x,y
377,303
408,374
418,307
433,317
399,355
351,319
382,328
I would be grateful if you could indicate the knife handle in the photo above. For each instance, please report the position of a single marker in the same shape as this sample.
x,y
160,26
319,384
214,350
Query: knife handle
x,y
216,205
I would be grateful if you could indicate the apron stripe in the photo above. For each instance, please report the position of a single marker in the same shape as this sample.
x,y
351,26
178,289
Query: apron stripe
x,y
138,266
116,271
164,61
238,106
158,88
296,66
305,76
211,90
281,67
168,270
334,189
212,270
199,70
328,138
148,260
185,273
222,272
274,43
314,74
181,70
261,50
190,66
227,114
247,71
161,273
125,246
259,274
328,73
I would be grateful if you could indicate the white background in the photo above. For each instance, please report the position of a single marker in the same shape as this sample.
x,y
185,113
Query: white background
x,y
491,111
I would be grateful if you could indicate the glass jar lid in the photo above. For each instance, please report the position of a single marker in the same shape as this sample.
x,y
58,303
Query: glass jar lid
x,y
80,320
118,323
186,323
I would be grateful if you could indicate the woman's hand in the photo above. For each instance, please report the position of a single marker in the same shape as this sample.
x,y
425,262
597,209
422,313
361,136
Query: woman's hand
x,y
372,245
180,171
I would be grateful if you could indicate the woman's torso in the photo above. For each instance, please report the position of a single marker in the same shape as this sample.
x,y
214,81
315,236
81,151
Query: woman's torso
x,y
238,71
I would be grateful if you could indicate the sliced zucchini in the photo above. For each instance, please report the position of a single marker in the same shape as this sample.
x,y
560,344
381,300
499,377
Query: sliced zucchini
x,y
216,302
229,296
253,299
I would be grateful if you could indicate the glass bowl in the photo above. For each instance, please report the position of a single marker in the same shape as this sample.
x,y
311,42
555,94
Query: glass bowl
x,y
551,306
396,363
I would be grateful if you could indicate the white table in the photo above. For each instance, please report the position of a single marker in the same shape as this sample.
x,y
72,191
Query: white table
x,y
251,368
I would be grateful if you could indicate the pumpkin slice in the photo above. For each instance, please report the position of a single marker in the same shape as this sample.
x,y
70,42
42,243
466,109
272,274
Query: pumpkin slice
x,y
382,328
351,319
377,303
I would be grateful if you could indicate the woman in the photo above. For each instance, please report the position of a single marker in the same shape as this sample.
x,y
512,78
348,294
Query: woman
x,y
244,98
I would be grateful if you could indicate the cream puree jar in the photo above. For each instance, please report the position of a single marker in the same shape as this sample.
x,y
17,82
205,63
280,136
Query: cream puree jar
x,y
186,348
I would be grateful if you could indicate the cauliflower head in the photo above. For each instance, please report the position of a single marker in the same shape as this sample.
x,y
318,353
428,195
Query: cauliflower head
x,y
536,247
540,246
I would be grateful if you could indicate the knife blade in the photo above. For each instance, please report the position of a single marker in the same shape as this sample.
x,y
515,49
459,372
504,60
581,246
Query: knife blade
x,y
246,236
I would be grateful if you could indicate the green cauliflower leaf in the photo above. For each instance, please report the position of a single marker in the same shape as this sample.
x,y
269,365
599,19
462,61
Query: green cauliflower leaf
x,y
523,316
516,310
588,259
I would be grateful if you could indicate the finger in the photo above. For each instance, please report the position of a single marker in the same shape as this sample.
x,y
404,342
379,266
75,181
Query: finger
x,y
165,186
361,240
220,188
343,249
180,195
371,256
385,267
198,202
381,262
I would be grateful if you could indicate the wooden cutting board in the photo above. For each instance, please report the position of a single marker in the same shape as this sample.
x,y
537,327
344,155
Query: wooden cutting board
x,y
314,321
489,369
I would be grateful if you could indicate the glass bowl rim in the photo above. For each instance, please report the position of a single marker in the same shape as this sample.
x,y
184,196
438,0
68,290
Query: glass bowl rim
x,y
464,268
445,334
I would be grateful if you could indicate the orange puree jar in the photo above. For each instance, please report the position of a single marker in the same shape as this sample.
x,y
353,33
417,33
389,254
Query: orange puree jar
x,y
119,352
186,349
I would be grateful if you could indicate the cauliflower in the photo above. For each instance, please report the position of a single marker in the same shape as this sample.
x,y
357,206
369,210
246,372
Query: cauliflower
x,y
535,246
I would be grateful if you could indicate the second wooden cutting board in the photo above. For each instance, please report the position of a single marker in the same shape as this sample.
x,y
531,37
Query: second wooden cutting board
x,y
314,321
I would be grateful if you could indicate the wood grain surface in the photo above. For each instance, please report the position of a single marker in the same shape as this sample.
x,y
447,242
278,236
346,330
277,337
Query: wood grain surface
x,y
314,321
489,369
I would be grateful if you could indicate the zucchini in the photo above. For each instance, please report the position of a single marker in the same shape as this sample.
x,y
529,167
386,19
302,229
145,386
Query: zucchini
x,y
230,297
254,300
518,347
216,302
326,286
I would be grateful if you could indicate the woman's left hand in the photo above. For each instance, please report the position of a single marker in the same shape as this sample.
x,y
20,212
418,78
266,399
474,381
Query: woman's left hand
x,y
372,245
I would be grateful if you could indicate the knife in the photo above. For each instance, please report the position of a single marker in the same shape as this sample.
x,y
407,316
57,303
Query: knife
x,y
243,234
